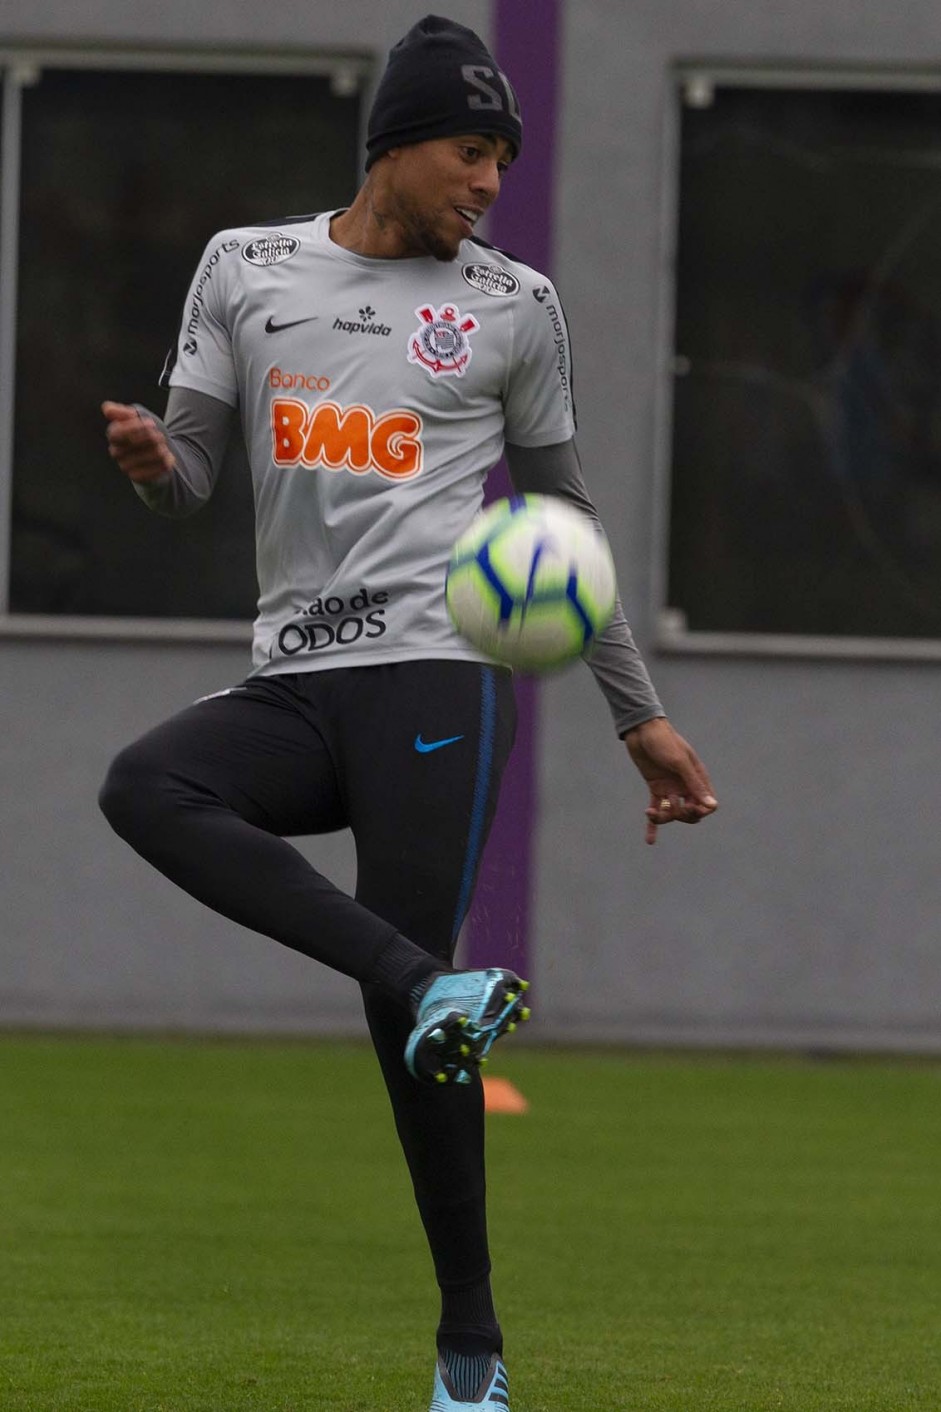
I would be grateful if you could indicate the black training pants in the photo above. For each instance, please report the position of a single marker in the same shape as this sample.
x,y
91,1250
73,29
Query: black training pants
x,y
409,756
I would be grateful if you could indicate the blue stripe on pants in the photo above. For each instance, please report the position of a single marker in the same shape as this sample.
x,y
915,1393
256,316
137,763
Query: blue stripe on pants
x,y
482,785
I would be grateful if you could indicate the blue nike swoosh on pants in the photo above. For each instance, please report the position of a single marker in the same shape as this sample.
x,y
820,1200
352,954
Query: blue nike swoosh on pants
x,y
425,747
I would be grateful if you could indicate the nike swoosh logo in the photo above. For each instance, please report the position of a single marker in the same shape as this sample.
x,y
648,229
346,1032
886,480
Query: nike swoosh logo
x,y
272,327
425,747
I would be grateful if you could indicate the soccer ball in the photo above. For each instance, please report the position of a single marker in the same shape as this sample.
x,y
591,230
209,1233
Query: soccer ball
x,y
531,582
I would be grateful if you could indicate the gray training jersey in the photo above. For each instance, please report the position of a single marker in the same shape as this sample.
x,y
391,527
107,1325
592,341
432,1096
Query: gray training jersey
x,y
374,395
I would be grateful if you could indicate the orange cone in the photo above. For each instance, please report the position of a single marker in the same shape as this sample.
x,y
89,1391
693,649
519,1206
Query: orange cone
x,y
500,1096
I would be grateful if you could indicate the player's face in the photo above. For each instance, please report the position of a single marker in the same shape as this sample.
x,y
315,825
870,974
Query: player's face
x,y
439,190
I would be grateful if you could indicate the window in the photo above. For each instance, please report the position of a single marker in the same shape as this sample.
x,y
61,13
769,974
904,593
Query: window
x,y
124,176
805,498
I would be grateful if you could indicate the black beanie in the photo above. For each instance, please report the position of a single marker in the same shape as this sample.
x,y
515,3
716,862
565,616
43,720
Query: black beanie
x,y
441,80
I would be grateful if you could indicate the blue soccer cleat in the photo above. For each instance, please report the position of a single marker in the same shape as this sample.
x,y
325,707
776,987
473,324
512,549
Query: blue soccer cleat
x,y
493,1392
460,1017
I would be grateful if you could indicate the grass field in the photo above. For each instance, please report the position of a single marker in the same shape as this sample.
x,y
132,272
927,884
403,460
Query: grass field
x,y
226,1227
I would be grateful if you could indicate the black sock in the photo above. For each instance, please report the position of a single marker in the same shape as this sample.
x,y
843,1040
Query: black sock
x,y
468,1336
402,968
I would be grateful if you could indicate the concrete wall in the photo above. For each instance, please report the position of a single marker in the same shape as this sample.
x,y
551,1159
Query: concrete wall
x,y
804,913
807,911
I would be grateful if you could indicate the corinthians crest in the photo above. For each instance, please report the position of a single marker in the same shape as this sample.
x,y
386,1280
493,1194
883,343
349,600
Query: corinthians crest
x,y
442,343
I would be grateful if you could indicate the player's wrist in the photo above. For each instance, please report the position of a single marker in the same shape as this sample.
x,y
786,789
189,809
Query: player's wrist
x,y
634,731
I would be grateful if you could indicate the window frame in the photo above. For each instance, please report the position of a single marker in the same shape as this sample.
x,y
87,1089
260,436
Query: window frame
x,y
692,83
350,72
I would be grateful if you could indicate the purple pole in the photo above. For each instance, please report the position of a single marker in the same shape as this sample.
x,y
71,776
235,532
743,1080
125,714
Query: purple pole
x,y
527,48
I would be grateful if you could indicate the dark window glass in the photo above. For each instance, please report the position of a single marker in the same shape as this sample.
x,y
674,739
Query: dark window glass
x,y
806,479
125,178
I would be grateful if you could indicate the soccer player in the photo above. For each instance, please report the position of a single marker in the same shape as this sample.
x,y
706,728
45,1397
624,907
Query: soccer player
x,y
379,358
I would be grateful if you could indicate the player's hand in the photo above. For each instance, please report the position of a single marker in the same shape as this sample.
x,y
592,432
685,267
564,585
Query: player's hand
x,y
136,443
680,789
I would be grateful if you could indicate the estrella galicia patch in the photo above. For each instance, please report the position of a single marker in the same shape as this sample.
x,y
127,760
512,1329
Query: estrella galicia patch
x,y
271,249
491,279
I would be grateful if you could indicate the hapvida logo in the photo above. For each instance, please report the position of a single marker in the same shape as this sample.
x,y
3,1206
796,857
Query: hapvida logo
x,y
365,324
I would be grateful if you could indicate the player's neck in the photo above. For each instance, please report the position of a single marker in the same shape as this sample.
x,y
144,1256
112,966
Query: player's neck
x,y
364,230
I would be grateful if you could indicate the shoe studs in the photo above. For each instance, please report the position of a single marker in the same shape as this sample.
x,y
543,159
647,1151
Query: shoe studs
x,y
459,1044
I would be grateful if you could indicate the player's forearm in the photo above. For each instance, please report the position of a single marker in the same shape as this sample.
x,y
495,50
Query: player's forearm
x,y
614,658
622,675
197,430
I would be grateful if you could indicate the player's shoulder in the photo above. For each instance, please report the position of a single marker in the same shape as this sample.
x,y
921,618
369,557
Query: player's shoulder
x,y
263,242
498,271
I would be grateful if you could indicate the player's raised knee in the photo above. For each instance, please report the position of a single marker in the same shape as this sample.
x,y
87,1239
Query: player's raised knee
x,y
128,791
